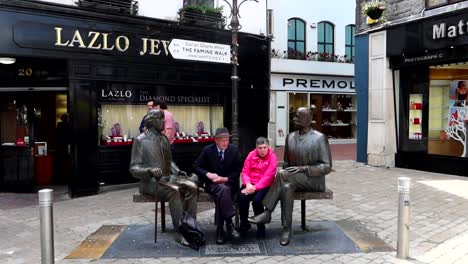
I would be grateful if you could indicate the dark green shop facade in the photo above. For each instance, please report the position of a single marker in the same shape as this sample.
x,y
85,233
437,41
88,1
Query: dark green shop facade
x,y
101,69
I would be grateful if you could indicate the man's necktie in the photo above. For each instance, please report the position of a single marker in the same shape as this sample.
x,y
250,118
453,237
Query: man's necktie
x,y
221,156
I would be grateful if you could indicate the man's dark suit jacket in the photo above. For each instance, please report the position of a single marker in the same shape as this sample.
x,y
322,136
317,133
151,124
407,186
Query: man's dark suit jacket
x,y
208,161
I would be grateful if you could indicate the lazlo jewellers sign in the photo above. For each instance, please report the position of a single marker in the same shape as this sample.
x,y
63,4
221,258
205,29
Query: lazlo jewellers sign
x,y
116,43
96,40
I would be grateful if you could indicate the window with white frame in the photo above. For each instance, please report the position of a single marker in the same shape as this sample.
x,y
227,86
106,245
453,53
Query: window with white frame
x,y
209,3
296,38
326,37
438,3
349,42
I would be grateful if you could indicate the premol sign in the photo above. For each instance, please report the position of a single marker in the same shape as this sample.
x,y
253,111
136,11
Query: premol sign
x,y
320,84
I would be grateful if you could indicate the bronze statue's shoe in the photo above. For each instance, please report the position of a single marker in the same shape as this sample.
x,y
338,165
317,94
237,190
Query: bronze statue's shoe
x,y
220,236
285,238
262,218
184,242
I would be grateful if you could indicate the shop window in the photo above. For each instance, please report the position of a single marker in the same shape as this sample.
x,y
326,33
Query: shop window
x,y
448,110
333,114
326,36
120,123
296,38
349,43
438,3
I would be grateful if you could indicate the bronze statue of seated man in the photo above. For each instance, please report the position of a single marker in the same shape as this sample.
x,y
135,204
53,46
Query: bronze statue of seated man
x,y
307,159
151,162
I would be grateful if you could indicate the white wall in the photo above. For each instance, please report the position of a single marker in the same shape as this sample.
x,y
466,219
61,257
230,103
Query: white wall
x,y
253,15
339,12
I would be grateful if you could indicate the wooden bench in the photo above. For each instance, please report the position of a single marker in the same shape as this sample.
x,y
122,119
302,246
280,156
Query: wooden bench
x,y
303,196
204,197
143,198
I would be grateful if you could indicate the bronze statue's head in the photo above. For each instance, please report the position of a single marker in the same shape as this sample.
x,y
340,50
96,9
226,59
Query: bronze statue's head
x,y
303,118
155,119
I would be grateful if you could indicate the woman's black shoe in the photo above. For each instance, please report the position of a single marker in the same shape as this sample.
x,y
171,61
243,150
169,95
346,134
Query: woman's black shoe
x,y
244,228
261,231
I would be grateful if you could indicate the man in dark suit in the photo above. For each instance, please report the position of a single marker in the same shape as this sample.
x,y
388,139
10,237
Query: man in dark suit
x,y
218,167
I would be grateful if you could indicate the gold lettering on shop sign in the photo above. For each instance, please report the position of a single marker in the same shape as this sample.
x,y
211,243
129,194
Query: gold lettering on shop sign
x,y
93,40
105,37
126,42
77,38
101,41
154,44
153,48
166,46
145,46
58,37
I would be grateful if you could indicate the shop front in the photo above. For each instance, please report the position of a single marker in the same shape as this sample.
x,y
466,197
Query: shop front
x,y
430,71
72,101
332,99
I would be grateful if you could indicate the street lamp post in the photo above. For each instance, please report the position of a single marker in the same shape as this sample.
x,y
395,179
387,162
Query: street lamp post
x,y
235,26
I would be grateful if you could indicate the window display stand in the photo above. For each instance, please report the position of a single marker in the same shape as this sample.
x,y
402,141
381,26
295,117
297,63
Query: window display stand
x,y
415,117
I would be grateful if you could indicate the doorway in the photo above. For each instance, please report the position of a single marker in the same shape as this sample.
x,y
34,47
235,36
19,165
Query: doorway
x,y
35,138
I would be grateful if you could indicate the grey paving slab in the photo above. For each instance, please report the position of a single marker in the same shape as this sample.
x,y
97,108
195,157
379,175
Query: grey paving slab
x,y
361,193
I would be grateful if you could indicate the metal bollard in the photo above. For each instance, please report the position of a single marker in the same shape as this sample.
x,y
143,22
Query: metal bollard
x,y
47,226
403,217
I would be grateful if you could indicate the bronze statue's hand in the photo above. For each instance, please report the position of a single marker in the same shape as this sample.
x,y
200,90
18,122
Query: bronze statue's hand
x,y
156,173
181,173
293,170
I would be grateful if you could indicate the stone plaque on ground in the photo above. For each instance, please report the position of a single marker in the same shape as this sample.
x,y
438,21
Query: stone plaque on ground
x,y
323,237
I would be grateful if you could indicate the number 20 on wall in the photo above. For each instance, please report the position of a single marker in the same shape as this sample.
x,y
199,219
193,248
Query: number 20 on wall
x,y
25,72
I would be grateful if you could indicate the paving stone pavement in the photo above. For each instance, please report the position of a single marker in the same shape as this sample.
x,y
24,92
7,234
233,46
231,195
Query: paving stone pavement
x,y
438,229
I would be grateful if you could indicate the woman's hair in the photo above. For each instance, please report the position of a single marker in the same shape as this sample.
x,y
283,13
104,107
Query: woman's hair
x,y
261,141
460,83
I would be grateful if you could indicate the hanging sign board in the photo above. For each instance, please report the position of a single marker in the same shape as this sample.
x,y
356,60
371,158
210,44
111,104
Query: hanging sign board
x,y
200,51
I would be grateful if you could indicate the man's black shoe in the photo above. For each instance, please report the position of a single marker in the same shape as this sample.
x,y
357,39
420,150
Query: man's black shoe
x,y
244,228
232,233
220,236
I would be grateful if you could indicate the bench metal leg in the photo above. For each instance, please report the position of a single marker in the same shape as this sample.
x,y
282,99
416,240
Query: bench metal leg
x,y
163,217
237,217
156,221
303,218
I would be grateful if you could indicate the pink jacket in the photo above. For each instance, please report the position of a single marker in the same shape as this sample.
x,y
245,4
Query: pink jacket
x,y
260,171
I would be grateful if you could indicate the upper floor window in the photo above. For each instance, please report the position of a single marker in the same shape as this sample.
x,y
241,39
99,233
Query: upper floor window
x,y
349,42
326,37
209,3
296,38
437,3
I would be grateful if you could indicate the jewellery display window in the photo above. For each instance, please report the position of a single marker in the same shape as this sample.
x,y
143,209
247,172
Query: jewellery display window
x,y
118,124
415,116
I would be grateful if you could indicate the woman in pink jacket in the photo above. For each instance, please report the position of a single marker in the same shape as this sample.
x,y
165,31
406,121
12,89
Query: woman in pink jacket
x,y
258,175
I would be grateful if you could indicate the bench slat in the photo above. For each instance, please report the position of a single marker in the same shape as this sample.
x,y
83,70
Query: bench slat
x,y
204,197
143,198
327,194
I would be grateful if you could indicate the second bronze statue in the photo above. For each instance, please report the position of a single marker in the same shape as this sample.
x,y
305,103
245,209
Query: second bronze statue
x,y
307,159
